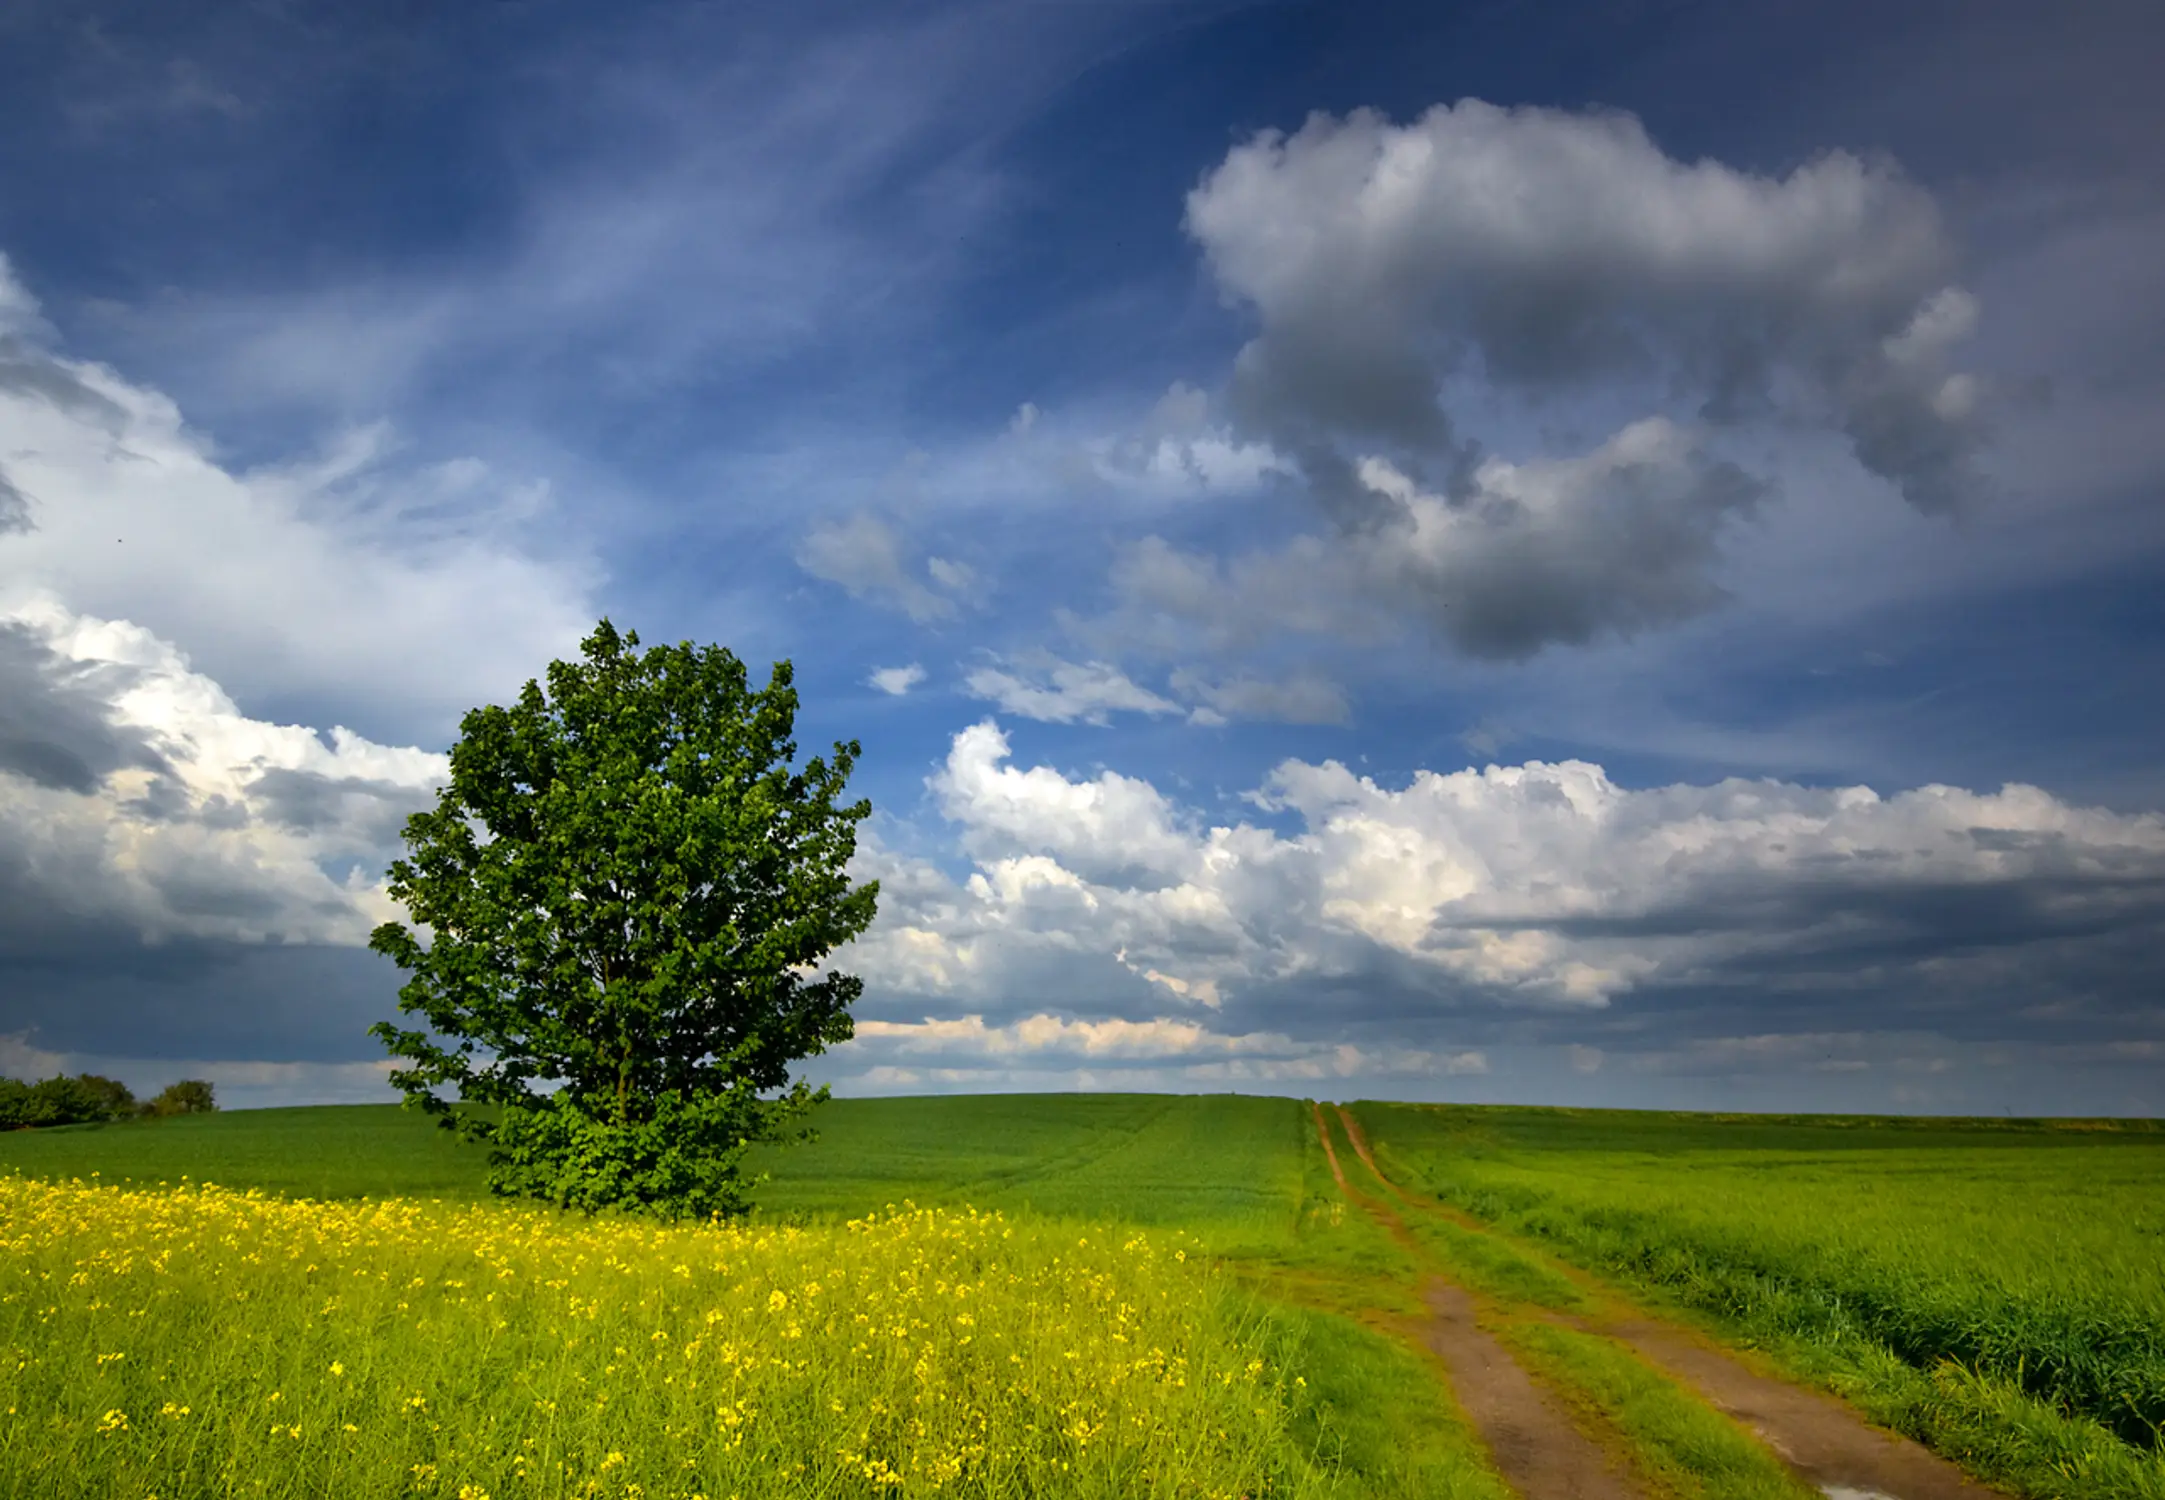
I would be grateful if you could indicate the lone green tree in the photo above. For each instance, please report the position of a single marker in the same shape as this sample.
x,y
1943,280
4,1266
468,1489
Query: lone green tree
x,y
626,893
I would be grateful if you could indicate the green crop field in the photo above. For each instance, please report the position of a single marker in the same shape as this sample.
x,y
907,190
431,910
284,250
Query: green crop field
x,y
1994,1285
1993,1288
1224,1162
327,1151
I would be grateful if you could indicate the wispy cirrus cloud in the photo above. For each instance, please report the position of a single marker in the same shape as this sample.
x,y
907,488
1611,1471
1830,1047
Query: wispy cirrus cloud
x,y
1044,687
867,556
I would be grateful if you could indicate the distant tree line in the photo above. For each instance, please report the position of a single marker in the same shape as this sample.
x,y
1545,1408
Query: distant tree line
x,y
88,1098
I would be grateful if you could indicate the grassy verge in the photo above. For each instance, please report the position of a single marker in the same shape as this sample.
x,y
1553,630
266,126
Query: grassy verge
x,y
1986,1424
1494,1267
1375,1414
1680,1446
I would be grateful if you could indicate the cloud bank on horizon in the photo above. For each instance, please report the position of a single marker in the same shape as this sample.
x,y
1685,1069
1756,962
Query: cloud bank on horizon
x,y
1456,599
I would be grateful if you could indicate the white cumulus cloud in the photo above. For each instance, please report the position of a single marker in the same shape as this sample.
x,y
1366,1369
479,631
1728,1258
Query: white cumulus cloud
x,y
407,588
897,681
967,1051
1544,885
1411,281
137,800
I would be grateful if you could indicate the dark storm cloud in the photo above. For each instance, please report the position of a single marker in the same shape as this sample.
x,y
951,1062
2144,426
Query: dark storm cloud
x,y
56,722
213,908
1548,250
1836,907
1542,255
109,996
308,800
1561,552
63,901
1636,553
2032,963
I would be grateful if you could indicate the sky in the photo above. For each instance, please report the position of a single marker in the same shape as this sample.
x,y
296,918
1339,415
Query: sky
x,y
1603,554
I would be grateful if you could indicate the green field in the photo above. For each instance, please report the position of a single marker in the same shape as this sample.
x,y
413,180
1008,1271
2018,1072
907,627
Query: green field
x,y
1994,1288
1352,1414
327,1151
1229,1165
1932,1269
1149,1158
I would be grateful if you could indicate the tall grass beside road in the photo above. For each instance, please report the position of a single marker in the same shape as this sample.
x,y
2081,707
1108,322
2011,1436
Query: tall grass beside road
x,y
1996,1289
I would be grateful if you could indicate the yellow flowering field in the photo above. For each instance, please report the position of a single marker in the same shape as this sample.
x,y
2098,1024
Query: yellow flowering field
x,y
202,1342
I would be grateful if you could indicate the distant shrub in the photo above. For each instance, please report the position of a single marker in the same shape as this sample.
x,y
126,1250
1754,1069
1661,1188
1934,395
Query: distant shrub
x,y
61,1100
190,1096
114,1100
90,1098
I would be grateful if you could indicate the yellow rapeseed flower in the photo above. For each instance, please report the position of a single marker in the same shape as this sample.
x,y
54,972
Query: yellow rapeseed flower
x,y
912,1350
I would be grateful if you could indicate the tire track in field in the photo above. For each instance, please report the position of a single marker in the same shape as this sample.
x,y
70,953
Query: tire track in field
x,y
1825,1441
1539,1451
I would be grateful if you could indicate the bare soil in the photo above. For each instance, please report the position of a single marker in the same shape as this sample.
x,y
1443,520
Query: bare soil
x,y
1536,1448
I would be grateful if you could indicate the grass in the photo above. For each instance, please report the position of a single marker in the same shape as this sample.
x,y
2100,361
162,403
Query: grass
x,y
333,1151
1992,1287
1231,1163
1332,1409
1995,1288
1681,1446
1377,1418
1225,1164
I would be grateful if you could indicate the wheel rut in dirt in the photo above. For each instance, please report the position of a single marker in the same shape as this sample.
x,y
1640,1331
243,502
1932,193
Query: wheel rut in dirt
x,y
1825,1442
1534,1444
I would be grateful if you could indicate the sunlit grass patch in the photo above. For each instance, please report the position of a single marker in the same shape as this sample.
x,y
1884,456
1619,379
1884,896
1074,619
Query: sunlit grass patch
x,y
203,1342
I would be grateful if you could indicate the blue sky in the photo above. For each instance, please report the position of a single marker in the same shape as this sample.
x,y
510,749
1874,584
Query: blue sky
x,y
1600,554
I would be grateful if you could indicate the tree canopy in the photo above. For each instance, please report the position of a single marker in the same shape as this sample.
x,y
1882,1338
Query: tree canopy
x,y
89,1098
624,898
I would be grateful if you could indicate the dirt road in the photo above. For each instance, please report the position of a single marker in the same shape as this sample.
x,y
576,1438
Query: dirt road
x,y
1534,1444
1823,1441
